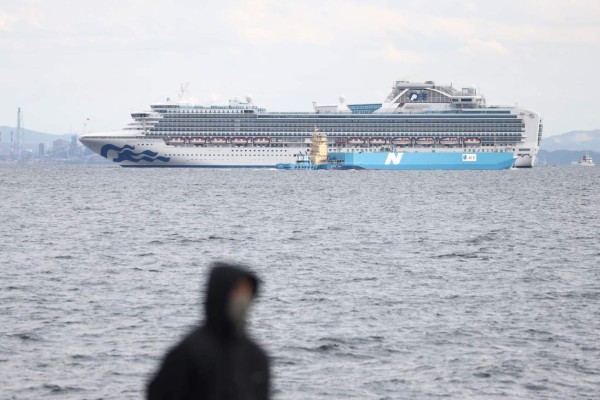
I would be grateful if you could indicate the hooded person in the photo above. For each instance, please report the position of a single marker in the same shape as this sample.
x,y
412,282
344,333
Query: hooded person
x,y
217,360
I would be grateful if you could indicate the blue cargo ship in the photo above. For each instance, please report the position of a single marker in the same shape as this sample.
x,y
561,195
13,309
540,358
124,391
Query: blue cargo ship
x,y
430,161
320,158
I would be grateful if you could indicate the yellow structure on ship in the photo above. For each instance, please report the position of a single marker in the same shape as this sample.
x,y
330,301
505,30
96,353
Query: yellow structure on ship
x,y
318,149
317,158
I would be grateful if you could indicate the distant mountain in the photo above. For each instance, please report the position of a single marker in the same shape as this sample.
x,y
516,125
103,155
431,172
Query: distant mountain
x,y
564,157
574,140
32,137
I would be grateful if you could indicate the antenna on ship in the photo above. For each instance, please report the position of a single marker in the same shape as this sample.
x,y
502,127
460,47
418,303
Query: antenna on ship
x,y
184,91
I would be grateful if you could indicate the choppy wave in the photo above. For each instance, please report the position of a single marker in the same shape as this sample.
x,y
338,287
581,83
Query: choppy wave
x,y
385,285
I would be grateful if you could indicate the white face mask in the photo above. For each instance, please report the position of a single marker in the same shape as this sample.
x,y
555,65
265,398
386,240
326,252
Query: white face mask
x,y
239,307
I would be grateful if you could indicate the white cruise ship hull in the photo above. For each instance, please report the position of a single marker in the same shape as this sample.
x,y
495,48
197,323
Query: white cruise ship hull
x,y
135,151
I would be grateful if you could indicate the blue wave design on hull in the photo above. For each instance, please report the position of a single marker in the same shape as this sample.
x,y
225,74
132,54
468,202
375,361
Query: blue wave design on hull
x,y
126,153
149,156
108,147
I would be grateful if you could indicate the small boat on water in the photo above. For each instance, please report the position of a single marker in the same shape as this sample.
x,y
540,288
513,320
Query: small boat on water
x,y
585,161
316,158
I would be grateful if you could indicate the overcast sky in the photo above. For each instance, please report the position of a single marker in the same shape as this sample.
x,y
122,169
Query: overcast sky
x,y
64,60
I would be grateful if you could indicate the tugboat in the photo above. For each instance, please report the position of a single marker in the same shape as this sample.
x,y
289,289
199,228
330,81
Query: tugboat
x,y
317,159
586,161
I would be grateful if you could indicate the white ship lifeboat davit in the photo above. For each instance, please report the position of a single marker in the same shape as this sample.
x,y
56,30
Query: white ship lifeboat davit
x,y
218,140
356,141
426,141
449,141
239,140
175,140
197,140
472,140
261,140
402,141
376,141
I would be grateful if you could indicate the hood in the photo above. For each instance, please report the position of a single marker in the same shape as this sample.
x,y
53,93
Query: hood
x,y
221,281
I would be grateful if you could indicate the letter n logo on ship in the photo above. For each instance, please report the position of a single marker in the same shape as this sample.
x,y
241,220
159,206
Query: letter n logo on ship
x,y
393,158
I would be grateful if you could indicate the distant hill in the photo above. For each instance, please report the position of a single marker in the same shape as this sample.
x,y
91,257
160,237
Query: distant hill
x,y
31,139
574,140
564,157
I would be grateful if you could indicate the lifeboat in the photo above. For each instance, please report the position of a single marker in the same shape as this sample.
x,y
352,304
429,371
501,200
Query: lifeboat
x,y
218,140
356,141
402,141
471,140
175,140
449,141
197,140
377,141
261,140
239,140
426,141
340,141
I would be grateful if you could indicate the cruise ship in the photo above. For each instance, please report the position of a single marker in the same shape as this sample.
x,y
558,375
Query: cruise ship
x,y
418,126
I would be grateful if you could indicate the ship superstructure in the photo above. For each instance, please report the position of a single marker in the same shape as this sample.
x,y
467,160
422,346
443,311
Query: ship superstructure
x,y
414,118
586,160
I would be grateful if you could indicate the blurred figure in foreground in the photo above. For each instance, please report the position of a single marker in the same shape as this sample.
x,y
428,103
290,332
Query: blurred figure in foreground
x,y
217,361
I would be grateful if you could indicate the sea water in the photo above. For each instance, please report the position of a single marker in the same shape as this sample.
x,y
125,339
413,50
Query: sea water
x,y
376,284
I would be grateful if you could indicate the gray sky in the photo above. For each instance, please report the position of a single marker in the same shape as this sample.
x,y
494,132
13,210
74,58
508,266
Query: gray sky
x,y
63,61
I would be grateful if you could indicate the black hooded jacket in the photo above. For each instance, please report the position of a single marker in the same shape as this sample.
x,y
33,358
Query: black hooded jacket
x,y
216,361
